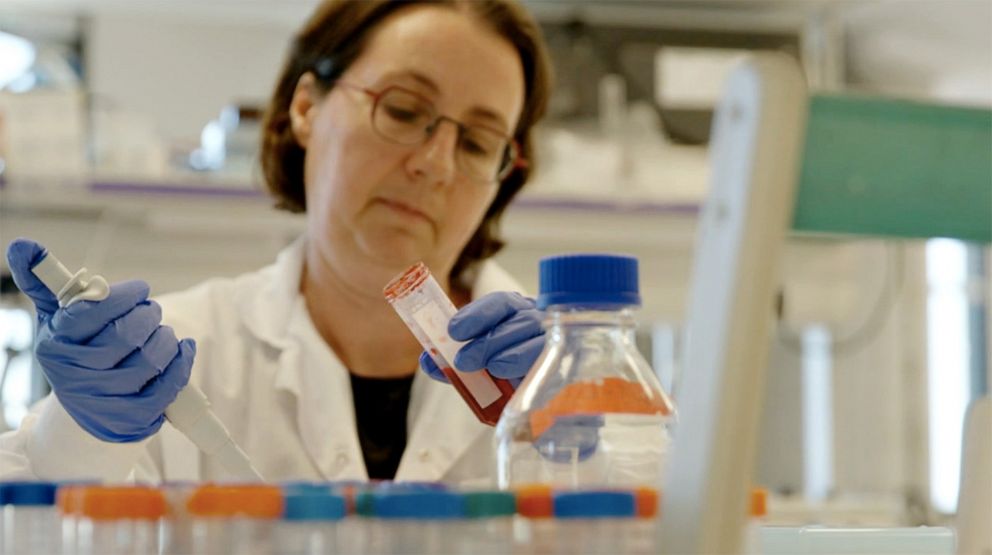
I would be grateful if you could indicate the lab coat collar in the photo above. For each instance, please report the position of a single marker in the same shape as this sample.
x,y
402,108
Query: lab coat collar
x,y
266,313
310,370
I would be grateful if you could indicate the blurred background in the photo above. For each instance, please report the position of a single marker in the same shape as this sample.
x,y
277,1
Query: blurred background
x,y
128,143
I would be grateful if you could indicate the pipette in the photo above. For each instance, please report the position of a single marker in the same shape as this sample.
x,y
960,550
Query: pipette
x,y
422,305
190,413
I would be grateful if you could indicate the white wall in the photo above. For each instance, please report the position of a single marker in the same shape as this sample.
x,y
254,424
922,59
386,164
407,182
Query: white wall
x,y
178,70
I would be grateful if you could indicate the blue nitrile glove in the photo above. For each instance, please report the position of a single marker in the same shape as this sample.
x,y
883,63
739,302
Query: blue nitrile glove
x,y
504,335
111,363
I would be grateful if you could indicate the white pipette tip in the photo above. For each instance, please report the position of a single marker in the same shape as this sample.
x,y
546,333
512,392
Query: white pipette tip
x,y
190,414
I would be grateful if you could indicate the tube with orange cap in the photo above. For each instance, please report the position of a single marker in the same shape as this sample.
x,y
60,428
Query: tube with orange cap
x,y
535,508
234,518
117,519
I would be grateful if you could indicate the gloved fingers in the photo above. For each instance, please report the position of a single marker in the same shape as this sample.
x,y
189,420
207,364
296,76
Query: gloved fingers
x,y
154,356
130,331
485,313
427,365
23,255
124,418
516,361
68,378
116,419
143,365
109,347
520,327
82,320
162,389
82,369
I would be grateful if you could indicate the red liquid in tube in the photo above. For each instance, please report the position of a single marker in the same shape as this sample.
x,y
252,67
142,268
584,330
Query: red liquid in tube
x,y
426,309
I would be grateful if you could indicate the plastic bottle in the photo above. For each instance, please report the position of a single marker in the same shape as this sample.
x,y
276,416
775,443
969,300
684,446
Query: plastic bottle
x,y
30,521
594,522
311,520
234,518
591,413
414,522
118,519
488,526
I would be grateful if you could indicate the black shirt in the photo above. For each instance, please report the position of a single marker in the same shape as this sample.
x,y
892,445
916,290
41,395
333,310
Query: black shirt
x,y
380,414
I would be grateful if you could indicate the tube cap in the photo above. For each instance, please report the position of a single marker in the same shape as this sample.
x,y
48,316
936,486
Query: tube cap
x,y
487,504
647,502
312,503
607,281
595,504
419,505
534,501
119,502
248,501
27,493
759,502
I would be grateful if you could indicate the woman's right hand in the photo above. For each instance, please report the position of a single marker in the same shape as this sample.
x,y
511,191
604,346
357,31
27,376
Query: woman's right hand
x,y
112,365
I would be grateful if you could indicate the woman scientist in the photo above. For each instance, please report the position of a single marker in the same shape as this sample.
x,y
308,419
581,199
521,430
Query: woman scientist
x,y
403,130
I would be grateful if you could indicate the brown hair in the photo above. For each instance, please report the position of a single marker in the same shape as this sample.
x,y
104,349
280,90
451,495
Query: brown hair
x,y
336,34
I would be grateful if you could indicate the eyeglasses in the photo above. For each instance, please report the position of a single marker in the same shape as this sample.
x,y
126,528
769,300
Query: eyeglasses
x,y
407,118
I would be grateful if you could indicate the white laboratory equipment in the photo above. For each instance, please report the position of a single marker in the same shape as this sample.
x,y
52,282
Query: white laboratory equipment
x,y
812,540
975,497
190,413
754,157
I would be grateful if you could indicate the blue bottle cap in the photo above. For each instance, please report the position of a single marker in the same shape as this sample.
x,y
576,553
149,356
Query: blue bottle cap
x,y
312,502
596,281
595,504
419,505
27,493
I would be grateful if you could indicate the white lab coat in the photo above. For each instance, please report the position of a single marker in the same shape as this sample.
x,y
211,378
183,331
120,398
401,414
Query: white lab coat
x,y
283,394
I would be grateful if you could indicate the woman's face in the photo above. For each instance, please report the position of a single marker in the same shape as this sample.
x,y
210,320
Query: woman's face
x,y
375,207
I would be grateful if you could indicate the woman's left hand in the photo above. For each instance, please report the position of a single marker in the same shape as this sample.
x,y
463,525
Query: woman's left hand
x,y
504,335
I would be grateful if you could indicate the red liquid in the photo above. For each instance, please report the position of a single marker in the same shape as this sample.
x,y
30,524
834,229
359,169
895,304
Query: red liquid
x,y
487,415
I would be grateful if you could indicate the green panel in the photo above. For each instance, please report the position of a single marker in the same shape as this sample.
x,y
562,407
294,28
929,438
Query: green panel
x,y
896,168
